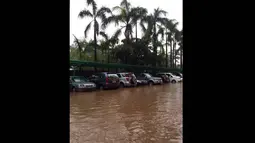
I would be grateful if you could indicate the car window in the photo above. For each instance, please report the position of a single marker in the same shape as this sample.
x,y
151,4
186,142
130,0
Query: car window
x,y
112,75
148,75
79,79
127,74
101,76
119,75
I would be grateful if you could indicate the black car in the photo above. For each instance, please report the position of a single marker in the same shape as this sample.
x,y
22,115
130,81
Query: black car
x,y
149,78
105,80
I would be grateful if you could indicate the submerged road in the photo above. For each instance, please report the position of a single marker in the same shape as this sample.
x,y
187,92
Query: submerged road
x,y
140,115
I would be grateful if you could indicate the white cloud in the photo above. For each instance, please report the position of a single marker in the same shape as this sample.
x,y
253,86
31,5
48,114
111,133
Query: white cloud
x,y
77,25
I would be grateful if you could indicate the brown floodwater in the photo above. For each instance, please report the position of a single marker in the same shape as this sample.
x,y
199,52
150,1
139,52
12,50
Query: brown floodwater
x,y
140,115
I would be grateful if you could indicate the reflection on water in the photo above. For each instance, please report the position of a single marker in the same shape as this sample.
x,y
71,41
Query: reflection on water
x,y
142,115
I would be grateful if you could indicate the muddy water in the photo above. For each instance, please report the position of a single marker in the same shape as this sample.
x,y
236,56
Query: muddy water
x,y
142,115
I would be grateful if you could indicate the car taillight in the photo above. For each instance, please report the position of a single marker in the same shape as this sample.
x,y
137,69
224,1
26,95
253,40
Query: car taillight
x,y
127,78
106,79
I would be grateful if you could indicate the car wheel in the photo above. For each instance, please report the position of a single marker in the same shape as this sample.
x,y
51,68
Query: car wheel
x,y
173,81
121,85
150,83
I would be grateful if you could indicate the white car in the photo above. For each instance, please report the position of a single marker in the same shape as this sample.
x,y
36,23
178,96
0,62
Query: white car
x,y
173,78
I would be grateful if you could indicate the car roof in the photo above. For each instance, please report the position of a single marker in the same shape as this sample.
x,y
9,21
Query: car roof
x,y
125,73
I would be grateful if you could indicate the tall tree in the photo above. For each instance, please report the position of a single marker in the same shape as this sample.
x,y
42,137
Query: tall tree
x,y
171,26
94,15
140,13
110,42
156,19
79,46
127,16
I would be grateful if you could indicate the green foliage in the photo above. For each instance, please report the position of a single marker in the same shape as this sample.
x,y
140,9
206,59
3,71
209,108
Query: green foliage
x,y
159,35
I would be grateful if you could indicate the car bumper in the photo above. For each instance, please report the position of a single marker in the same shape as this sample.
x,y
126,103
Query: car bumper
x,y
128,84
142,83
158,82
111,86
85,89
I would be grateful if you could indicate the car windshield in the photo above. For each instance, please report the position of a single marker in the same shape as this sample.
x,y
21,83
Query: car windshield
x,y
128,74
79,79
148,75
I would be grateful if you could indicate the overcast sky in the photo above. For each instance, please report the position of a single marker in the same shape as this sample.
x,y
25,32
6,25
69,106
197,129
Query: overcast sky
x,y
77,25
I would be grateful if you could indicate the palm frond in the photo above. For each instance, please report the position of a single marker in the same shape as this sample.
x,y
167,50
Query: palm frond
x,y
161,20
87,29
94,5
143,27
103,34
161,32
126,4
108,20
103,10
85,13
117,33
117,8
160,11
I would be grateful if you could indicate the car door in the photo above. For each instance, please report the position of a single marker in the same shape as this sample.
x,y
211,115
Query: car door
x,y
143,76
94,78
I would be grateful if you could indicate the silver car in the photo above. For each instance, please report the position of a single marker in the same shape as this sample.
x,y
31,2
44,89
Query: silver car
x,y
127,79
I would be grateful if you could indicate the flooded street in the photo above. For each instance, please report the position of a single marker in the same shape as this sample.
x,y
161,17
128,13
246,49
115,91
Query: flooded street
x,y
140,115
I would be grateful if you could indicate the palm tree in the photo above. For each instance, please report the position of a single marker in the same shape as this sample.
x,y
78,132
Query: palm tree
x,y
140,14
153,21
127,16
110,42
177,37
171,26
168,23
94,15
79,46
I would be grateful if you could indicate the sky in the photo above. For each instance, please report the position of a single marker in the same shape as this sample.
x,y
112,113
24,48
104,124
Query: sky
x,y
77,25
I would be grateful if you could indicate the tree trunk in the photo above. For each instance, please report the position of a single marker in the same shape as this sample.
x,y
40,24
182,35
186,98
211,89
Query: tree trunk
x,y
171,53
95,46
174,55
136,32
181,57
108,58
154,44
166,51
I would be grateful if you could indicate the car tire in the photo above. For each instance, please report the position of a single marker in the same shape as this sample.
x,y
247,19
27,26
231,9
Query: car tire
x,y
150,83
121,85
173,81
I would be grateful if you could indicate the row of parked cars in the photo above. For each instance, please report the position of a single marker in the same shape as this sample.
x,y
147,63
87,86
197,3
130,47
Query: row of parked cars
x,y
106,80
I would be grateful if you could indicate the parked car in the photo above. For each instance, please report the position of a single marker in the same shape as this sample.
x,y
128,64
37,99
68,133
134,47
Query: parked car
x,y
79,83
105,80
127,79
149,78
173,78
141,82
164,77
177,74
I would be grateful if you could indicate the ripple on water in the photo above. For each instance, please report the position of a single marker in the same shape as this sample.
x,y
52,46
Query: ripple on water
x,y
143,114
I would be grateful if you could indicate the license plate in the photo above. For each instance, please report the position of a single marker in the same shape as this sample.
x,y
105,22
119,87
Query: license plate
x,y
113,81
